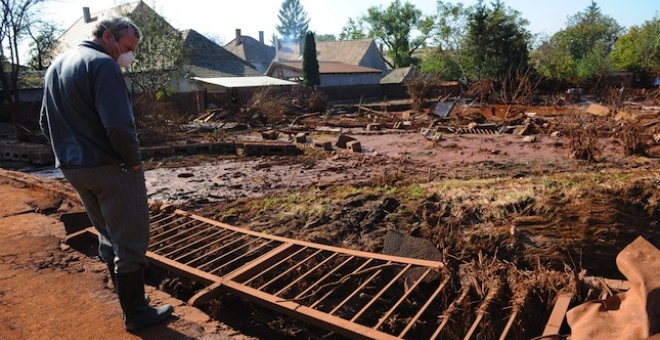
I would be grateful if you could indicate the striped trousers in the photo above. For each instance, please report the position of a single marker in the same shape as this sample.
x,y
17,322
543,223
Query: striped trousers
x,y
116,202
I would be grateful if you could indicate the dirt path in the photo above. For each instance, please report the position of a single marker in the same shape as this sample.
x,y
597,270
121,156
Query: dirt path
x,y
50,291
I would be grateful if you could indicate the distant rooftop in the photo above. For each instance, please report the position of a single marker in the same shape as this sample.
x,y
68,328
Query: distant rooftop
x,y
245,81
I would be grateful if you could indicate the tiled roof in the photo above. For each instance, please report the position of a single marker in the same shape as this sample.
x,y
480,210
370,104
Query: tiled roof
x,y
326,67
251,50
210,60
354,52
399,75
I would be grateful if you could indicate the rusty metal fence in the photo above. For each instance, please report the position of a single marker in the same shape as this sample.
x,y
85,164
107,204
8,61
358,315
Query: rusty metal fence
x,y
353,293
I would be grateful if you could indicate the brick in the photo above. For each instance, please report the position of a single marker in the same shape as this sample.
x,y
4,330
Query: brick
x,y
354,146
343,139
270,135
325,145
373,127
268,149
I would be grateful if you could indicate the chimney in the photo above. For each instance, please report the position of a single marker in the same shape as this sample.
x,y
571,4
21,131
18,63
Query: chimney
x,y
86,16
277,47
237,41
261,37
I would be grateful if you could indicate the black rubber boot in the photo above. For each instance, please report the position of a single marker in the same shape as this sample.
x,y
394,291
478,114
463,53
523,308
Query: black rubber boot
x,y
111,273
137,313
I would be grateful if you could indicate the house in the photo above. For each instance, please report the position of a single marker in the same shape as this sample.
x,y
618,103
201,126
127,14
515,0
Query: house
x,y
82,29
331,73
254,52
206,59
352,52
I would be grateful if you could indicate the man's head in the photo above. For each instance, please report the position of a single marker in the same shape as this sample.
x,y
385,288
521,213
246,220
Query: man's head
x,y
119,37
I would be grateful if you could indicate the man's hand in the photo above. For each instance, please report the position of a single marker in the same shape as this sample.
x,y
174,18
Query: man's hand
x,y
136,168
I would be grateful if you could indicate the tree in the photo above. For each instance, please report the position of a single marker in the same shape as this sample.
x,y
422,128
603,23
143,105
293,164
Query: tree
x,y
311,76
496,44
325,37
578,53
444,62
16,16
353,30
394,27
639,49
452,27
294,23
442,65
161,54
43,35
588,28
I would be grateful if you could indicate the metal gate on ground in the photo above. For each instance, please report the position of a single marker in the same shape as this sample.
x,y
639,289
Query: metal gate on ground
x,y
353,293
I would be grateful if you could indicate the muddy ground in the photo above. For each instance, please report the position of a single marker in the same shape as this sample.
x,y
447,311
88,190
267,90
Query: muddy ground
x,y
49,290
548,207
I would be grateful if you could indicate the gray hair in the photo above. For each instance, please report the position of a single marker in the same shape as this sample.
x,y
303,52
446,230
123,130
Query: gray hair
x,y
117,26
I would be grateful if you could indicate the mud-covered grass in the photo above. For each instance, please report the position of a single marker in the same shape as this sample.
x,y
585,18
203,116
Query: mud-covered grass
x,y
577,219
509,242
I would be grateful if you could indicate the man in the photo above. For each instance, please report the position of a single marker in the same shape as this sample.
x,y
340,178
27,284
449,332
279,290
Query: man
x,y
87,116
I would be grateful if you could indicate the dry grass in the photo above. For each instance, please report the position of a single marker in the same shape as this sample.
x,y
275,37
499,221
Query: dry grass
x,y
632,143
422,88
317,102
519,88
583,144
482,90
267,106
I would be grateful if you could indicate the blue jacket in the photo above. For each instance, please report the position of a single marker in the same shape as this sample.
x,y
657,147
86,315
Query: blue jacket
x,y
86,112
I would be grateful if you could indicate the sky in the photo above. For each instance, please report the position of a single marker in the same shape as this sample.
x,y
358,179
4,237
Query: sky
x,y
219,19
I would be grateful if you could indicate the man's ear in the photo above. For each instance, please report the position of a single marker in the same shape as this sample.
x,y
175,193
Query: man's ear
x,y
107,36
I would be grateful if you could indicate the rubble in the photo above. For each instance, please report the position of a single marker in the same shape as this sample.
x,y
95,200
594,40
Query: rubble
x,y
342,140
325,145
301,137
270,135
373,127
354,146
597,110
